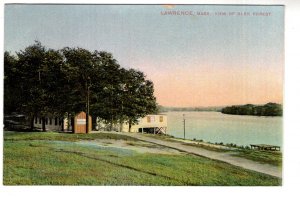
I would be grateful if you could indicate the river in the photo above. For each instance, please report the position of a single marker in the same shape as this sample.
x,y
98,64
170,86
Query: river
x,y
217,127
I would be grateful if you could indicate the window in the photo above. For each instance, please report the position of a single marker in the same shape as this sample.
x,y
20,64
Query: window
x,y
50,121
55,121
150,119
161,118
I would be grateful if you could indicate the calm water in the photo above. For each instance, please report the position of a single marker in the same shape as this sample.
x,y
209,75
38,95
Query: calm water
x,y
218,127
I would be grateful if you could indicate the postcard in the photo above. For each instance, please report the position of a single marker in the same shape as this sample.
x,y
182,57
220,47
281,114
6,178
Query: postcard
x,y
143,94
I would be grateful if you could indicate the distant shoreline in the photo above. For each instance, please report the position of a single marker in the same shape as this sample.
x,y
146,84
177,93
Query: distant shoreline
x,y
183,109
269,109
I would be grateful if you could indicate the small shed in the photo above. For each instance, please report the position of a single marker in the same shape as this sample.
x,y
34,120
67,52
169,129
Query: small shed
x,y
79,123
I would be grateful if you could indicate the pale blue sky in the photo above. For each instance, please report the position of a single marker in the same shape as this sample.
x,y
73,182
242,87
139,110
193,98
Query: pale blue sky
x,y
140,37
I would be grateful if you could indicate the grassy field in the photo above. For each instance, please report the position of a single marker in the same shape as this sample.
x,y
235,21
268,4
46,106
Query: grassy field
x,y
50,158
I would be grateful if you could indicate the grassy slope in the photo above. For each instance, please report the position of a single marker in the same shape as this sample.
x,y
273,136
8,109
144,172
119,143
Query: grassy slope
x,y
267,157
56,159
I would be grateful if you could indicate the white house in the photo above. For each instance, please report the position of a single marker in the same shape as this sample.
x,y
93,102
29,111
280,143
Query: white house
x,y
51,123
152,123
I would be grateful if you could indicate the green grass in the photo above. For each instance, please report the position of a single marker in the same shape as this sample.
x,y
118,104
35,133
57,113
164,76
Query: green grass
x,y
15,136
57,159
207,147
268,157
161,137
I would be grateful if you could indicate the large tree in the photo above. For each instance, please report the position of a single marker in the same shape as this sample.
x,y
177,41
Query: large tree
x,y
80,64
138,98
108,88
31,75
34,82
54,84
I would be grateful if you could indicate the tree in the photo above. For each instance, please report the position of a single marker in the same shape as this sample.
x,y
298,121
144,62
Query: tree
x,y
273,109
36,79
54,84
107,87
138,98
12,93
81,75
31,74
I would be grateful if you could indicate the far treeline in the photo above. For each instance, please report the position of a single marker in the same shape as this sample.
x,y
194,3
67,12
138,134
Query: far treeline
x,y
178,109
269,109
39,82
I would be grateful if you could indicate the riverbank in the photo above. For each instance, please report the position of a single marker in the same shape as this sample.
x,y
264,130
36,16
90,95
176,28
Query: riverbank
x,y
265,157
255,160
51,158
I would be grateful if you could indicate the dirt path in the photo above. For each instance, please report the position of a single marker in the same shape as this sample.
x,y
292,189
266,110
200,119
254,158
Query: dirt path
x,y
221,156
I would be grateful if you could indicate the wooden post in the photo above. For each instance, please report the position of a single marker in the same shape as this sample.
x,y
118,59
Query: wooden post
x,y
183,126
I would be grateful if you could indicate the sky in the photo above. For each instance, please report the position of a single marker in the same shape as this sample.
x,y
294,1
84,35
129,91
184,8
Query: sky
x,y
193,60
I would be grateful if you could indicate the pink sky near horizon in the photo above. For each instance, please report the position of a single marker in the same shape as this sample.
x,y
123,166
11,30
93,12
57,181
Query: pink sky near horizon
x,y
206,85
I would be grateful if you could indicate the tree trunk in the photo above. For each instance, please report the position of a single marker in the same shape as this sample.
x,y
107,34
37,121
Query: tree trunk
x,y
73,124
43,124
130,123
94,122
87,123
62,124
68,122
32,123
121,126
111,124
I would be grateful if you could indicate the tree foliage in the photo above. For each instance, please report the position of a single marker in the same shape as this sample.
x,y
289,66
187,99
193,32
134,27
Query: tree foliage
x,y
12,93
34,79
138,96
39,81
269,109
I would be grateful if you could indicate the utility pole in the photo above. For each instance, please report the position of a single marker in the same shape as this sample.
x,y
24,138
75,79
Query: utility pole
x,y
87,106
184,126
